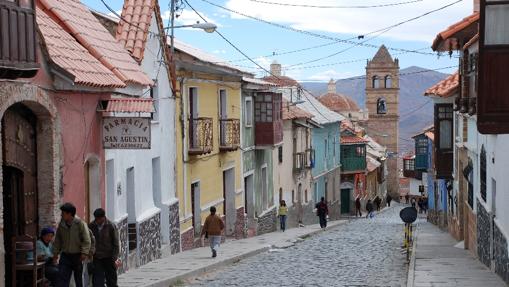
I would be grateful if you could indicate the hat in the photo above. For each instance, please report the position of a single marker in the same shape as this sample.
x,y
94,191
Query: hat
x,y
47,230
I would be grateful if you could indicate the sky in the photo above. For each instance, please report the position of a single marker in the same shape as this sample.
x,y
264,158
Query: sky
x,y
317,26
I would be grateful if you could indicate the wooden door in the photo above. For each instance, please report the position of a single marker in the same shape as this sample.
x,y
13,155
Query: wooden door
x,y
19,178
345,200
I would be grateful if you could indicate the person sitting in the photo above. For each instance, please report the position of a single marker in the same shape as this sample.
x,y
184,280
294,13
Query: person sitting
x,y
45,253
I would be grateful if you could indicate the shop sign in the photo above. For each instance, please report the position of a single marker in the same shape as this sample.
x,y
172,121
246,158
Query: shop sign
x,y
126,133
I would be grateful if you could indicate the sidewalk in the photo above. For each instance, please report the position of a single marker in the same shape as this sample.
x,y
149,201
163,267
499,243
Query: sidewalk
x,y
436,262
172,269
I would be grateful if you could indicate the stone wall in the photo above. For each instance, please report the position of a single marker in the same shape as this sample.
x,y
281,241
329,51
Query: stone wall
x,y
500,254
149,239
334,210
267,222
453,224
483,235
187,239
240,224
174,228
124,245
308,216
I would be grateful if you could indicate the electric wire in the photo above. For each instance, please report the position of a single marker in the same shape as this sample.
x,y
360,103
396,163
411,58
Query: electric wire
x,y
337,6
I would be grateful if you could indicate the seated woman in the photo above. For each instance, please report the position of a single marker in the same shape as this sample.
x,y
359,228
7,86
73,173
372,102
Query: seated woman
x,y
45,252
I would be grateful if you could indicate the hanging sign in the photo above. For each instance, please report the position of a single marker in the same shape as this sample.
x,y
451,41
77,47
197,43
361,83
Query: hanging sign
x,y
126,133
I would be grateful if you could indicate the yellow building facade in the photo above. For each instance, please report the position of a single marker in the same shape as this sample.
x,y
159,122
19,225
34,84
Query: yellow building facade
x,y
209,167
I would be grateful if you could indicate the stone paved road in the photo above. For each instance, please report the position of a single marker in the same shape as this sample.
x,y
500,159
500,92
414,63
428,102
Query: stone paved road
x,y
364,252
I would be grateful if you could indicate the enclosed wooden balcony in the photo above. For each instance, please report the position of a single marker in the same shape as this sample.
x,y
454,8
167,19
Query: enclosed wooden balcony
x,y
17,39
409,167
229,134
268,120
200,136
299,161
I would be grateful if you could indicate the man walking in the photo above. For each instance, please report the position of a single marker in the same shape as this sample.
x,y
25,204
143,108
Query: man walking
x,y
322,211
358,207
72,245
378,202
212,230
389,199
369,209
107,248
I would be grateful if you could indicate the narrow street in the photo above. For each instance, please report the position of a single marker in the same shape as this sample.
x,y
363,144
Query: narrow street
x,y
364,252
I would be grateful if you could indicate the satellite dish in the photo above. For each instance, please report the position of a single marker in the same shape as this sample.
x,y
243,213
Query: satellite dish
x,y
408,214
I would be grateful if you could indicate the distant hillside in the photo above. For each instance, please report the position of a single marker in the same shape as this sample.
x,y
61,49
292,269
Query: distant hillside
x,y
413,83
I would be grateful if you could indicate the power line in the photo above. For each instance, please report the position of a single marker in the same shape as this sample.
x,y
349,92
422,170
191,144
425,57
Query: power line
x,y
317,35
336,6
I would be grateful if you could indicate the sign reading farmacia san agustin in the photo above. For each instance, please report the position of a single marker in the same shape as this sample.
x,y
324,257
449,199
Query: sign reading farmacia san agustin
x,y
126,133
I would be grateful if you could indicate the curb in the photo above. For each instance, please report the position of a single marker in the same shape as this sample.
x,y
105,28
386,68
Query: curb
x,y
411,265
169,281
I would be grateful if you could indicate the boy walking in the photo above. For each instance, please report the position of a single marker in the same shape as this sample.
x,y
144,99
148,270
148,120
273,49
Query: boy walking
x,y
212,230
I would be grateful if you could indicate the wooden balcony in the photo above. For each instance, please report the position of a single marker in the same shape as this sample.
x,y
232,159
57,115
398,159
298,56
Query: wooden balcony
x,y
299,161
18,43
200,136
229,134
268,120
353,164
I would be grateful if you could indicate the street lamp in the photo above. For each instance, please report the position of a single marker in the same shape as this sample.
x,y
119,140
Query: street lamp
x,y
207,27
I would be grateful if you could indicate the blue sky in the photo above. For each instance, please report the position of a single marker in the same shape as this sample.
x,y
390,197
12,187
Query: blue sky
x,y
258,39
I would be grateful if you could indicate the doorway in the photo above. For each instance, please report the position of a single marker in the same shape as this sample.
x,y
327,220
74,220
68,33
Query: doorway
x,y
92,187
345,201
249,196
196,207
229,200
19,179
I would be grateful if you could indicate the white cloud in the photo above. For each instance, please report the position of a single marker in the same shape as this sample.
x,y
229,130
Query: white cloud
x,y
359,21
330,74
219,51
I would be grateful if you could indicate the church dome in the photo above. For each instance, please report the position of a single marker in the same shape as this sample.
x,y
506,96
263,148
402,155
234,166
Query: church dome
x,y
338,102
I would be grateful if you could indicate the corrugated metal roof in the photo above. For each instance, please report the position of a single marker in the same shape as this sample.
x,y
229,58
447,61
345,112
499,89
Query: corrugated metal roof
x,y
130,106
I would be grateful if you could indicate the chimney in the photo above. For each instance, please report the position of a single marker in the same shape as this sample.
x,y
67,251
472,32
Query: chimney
x,y
275,69
331,87
477,6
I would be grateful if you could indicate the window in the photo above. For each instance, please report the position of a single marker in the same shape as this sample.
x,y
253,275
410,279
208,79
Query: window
x,y
248,112
280,194
381,106
360,151
156,180
496,23
444,116
280,154
154,94
422,146
326,149
293,196
388,82
306,196
483,173
465,129
409,164
375,82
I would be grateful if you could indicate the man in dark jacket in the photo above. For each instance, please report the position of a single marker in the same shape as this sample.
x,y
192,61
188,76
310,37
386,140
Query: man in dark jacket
x,y
358,207
107,248
322,211
369,208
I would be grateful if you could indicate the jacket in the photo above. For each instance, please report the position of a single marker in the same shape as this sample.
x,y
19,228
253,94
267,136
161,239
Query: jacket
x,y
73,239
283,210
213,225
107,243
322,209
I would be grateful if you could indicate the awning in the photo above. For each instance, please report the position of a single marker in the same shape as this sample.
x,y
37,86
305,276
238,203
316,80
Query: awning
x,y
128,105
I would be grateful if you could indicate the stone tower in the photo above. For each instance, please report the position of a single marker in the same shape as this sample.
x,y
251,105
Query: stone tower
x,y
382,102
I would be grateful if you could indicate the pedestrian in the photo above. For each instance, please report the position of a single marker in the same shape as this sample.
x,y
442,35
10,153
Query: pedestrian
x,y
71,246
420,205
45,253
412,202
107,249
322,211
407,197
358,207
283,212
389,199
369,208
378,202
212,230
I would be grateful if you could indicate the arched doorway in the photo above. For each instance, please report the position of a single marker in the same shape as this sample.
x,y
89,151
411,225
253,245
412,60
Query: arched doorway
x,y
19,169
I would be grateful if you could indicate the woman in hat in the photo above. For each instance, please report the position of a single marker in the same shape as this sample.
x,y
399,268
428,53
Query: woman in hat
x,y
45,252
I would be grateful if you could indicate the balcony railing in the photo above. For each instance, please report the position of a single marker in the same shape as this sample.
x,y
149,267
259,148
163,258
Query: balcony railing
x,y
310,158
200,136
229,134
299,161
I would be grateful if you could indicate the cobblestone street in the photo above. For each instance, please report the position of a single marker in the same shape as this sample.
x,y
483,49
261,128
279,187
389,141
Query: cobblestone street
x,y
364,252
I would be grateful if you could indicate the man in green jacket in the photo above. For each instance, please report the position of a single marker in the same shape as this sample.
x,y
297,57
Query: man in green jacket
x,y
72,244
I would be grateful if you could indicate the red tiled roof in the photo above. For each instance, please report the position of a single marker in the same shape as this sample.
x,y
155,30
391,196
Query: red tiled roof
x,y
445,88
77,19
339,103
68,54
134,31
448,40
352,140
282,81
291,112
130,106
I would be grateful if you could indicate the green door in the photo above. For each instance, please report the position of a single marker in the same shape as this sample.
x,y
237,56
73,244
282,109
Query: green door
x,y
345,201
